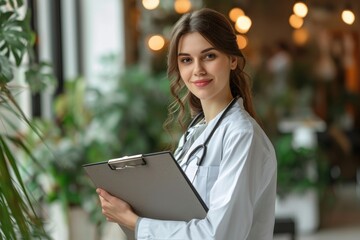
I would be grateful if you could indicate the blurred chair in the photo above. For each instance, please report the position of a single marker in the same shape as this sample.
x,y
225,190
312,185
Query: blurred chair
x,y
285,226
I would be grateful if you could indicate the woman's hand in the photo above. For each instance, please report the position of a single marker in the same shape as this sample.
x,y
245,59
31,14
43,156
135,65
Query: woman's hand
x,y
116,210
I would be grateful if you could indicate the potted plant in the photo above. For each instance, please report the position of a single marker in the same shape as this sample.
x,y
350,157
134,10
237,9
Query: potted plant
x,y
92,126
293,167
19,218
301,179
63,149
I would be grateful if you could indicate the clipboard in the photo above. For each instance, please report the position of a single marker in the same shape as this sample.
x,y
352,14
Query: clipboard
x,y
153,184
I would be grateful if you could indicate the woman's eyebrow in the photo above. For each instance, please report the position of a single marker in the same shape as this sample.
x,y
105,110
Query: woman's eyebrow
x,y
183,54
203,51
207,50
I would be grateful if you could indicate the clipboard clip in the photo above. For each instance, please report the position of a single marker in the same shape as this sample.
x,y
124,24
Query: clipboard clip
x,y
127,162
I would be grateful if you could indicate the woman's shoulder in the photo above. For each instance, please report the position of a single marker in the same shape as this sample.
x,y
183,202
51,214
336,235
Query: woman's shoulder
x,y
239,120
240,123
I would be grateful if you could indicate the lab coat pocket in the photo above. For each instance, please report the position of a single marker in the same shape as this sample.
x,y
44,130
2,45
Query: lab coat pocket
x,y
206,178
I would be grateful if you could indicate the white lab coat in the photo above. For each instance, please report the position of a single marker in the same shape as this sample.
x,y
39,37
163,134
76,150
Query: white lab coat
x,y
237,181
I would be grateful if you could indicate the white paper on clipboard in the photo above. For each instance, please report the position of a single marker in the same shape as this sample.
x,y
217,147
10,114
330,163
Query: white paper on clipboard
x,y
153,184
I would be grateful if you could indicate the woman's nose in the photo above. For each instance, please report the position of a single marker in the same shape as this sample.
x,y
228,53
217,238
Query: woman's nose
x,y
199,69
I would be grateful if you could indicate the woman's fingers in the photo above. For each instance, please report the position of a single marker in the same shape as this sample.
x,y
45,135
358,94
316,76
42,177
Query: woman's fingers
x,y
104,194
112,206
116,210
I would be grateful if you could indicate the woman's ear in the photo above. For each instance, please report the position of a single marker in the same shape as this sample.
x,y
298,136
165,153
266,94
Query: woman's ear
x,y
233,62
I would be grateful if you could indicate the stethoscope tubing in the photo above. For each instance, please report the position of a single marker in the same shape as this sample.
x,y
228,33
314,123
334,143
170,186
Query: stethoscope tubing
x,y
204,145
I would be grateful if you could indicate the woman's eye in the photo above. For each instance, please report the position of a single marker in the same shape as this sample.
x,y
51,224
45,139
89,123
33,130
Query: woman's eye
x,y
210,56
185,60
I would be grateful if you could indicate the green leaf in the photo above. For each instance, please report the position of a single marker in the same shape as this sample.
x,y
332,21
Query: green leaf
x,y
15,36
5,214
12,198
4,18
6,74
40,77
16,109
13,3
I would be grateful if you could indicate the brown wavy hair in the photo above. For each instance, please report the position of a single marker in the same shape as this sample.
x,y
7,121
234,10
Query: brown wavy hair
x,y
216,29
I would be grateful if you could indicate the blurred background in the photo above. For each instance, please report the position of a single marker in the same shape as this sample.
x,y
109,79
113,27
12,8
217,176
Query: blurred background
x,y
93,86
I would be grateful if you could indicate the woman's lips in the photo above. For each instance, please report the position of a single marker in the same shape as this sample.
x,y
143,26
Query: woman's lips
x,y
202,83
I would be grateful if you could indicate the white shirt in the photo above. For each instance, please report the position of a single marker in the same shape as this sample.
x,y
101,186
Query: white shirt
x,y
237,181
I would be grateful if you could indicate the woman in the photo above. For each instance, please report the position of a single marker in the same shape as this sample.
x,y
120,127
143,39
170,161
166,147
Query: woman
x,y
236,176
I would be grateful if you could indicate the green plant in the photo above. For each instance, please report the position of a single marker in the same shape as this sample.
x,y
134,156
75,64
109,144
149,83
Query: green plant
x,y
131,114
299,169
18,216
62,145
63,148
92,125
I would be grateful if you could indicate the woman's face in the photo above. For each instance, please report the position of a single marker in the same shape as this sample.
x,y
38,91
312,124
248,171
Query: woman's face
x,y
204,70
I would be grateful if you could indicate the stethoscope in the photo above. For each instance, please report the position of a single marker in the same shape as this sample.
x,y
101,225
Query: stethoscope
x,y
203,147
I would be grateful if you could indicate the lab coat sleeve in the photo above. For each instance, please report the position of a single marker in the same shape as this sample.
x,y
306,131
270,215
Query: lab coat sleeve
x,y
232,197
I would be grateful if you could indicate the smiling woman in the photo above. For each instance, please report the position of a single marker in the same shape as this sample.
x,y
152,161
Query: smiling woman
x,y
204,70
226,155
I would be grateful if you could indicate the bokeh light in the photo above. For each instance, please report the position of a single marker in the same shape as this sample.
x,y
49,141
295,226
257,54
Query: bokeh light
x,y
235,13
156,42
242,41
300,36
243,24
150,4
300,9
296,21
348,16
182,6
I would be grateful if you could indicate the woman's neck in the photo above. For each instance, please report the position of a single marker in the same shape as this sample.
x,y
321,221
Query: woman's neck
x,y
212,108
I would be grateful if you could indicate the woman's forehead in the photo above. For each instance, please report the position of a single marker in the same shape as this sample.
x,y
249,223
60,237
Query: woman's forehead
x,y
193,42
